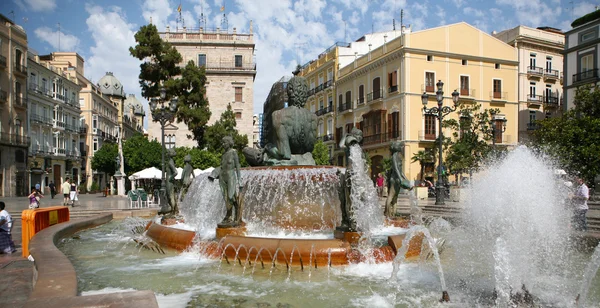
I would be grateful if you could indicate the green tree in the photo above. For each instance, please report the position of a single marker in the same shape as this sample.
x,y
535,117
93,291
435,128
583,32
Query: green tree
x,y
201,159
423,157
469,147
159,68
320,153
574,137
140,153
225,126
105,159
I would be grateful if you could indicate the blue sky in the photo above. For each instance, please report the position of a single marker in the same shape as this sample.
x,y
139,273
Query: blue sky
x,y
286,32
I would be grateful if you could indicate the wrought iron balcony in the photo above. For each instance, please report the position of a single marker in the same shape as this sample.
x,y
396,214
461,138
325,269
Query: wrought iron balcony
x,y
14,139
20,68
311,92
327,137
319,88
535,71
551,74
36,118
327,84
325,110
551,101
360,100
18,100
375,95
345,106
83,130
380,138
589,75
393,89
534,99
495,95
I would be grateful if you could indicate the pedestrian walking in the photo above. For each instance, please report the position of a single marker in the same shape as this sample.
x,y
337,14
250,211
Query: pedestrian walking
x,y
6,243
580,206
66,190
380,183
73,193
52,189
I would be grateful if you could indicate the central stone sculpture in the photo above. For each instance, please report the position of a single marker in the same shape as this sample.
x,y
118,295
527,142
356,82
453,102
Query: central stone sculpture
x,y
292,132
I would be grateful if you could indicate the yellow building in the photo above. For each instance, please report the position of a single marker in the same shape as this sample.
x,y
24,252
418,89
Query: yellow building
x,y
322,73
380,92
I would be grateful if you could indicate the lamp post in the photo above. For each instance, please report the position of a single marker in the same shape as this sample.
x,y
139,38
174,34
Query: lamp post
x,y
439,112
163,114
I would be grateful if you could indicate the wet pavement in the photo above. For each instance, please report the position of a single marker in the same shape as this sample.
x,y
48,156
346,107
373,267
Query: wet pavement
x,y
16,272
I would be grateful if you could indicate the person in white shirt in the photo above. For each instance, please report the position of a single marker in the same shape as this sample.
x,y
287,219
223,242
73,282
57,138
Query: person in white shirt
x,y
6,243
580,206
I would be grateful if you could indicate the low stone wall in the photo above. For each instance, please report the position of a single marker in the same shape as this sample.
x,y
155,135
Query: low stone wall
x,y
55,280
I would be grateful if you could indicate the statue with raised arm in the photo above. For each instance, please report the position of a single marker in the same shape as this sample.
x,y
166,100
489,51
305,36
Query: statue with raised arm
x,y
187,176
170,184
231,184
354,138
395,178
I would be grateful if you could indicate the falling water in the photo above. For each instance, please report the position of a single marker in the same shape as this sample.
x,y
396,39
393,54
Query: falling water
x,y
274,199
515,228
367,212
416,214
401,255
588,276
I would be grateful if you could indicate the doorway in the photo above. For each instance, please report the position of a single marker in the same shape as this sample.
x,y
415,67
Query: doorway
x,y
57,172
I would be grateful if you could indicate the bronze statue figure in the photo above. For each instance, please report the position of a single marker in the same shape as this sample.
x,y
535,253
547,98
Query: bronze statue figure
x,y
355,137
291,132
187,176
395,178
170,184
230,183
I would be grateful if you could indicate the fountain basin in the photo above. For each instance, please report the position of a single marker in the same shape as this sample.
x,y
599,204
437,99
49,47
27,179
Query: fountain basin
x,y
289,251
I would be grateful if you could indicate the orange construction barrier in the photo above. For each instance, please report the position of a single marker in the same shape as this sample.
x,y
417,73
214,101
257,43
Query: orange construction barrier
x,y
36,220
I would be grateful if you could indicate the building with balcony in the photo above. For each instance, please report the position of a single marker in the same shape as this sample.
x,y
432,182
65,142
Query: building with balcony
x,y
381,90
99,118
133,117
54,122
14,134
322,73
581,54
228,59
540,73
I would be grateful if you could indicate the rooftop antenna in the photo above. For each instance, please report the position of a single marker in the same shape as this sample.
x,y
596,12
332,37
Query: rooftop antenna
x,y
394,19
58,36
345,35
179,18
12,13
224,22
202,20
401,18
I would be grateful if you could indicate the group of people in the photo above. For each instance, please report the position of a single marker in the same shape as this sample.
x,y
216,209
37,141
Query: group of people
x,y
69,190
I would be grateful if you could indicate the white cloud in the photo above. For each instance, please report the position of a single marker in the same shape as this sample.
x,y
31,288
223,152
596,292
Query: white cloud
x,y
158,11
37,5
533,13
67,42
458,3
112,36
473,12
582,8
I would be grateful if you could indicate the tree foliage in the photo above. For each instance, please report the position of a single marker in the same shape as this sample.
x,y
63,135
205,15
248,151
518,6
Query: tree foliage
x,y
424,157
469,147
140,153
201,159
225,126
160,66
574,138
105,159
320,153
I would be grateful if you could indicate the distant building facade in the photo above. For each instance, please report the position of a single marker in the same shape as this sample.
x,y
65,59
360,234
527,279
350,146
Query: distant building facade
x,y
540,74
14,133
276,100
380,92
54,121
582,56
228,58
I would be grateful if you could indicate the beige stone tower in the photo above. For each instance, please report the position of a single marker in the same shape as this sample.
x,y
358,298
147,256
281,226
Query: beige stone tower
x,y
228,58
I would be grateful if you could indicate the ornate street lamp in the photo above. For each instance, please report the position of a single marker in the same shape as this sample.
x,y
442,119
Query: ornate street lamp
x,y
163,114
439,112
